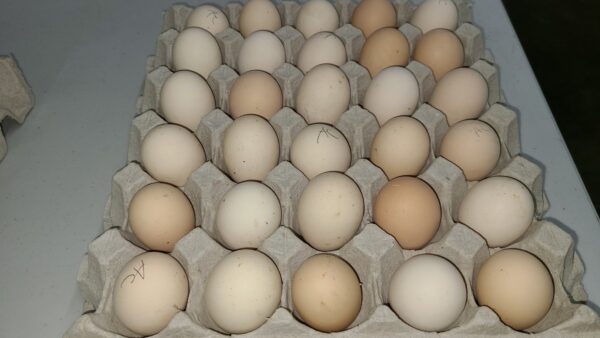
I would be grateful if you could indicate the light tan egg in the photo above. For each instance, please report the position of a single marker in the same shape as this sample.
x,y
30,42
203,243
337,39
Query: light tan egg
x,y
371,15
208,17
197,50
461,95
261,50
317,16
432,14
259,15
255,92
440,50
324,94
401,147
385,48
321,48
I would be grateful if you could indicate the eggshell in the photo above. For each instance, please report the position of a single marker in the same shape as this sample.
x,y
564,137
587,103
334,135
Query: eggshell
x,y
248,214
473,146
385,48
517,286
371,15
255,92
208,17
461,95
197,50
250,148
185,98
170,153
393,92
323,95
149,291
319,148
330,211
433,14
428,292
242,291
322,47
261,51
440,50
259,15
499,208
160,215
401,147
326,293
317,16
408,209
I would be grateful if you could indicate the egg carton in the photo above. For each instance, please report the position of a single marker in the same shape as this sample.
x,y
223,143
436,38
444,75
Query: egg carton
x,y
372,253
16,97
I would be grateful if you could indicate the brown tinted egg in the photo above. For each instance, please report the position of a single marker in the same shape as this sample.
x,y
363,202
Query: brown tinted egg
x,y
408,209
371,15
386,47
441,51
255,92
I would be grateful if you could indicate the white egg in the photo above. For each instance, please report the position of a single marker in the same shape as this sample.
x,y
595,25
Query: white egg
x,y
197,50
317,16
321,48
208,17
324,95
433,14
185,98
262,50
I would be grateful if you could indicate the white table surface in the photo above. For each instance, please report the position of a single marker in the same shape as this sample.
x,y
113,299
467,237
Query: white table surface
x,y
85,61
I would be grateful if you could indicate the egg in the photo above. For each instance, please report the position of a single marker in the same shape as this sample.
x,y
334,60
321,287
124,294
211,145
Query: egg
x,y
433,14
149,291
329,211
408,209
517,286
393,92
317,16
401,147
247,215
250,148
322,47
441,51
326,293
323,95
461,95
197,50
255,92
242,291
428,292
185,98
160,215
208,17
170,153
385,48
499,208
259,15
473,146
319,148
371,15
261,51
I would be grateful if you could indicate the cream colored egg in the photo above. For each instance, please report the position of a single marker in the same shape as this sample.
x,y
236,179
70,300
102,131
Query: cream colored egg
x,y
401,147
250,148
324,95
499,208
185,98
433,14
259,15
149,291
319,148
326,293
393,92
160,215
170,153
317,16
428,292
197,50
322,47
242,291
247,215
473,146
261,51
330,211
208,17
461,95
255,92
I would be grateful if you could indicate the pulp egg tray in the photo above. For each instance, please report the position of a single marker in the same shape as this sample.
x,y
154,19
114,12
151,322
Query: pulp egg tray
x,y
373,254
